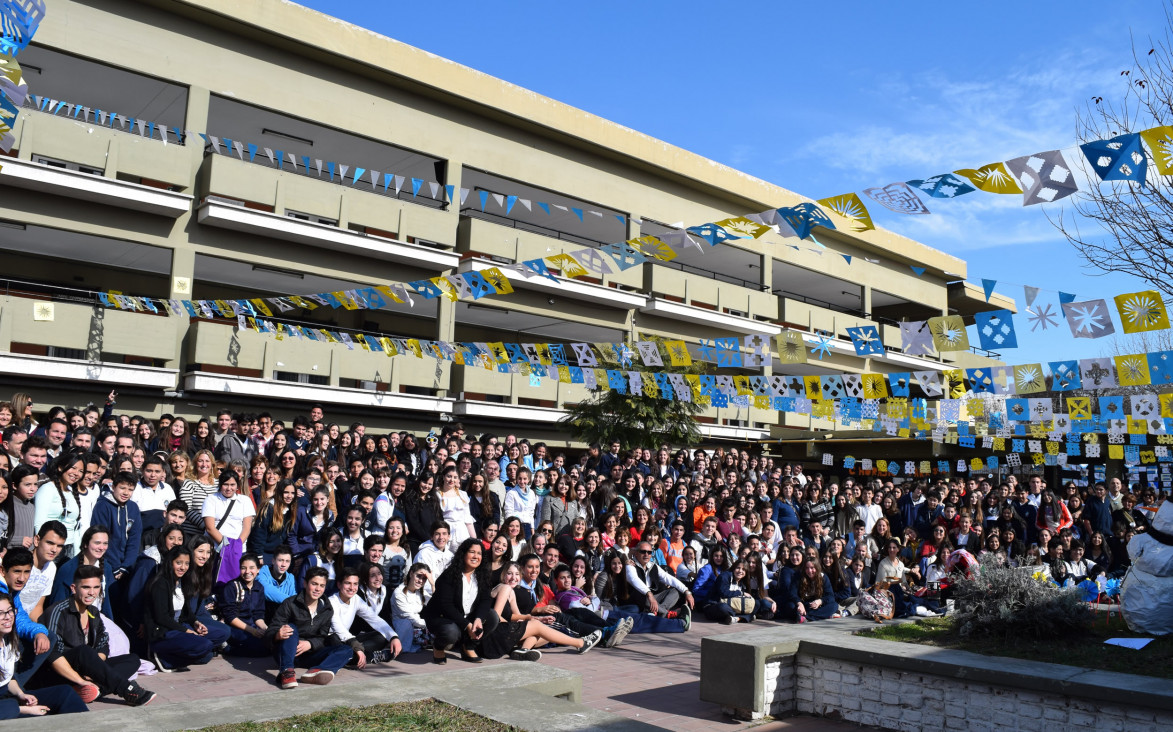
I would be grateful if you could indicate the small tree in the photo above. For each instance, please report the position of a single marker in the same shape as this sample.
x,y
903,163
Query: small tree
x,y
1007,602
1132,225
637,419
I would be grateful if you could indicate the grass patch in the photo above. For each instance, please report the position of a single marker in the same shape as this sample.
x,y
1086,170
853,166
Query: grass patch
x,y
426,715
1087,650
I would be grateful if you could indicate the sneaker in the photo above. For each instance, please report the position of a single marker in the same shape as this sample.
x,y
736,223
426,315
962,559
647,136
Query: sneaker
x,y
671,614
924,612
590,642
87,692
383,656
618,632
685,614
317,676
526,654
728,619
287,679
137,696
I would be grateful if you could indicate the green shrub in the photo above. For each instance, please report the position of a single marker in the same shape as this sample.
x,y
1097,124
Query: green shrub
x,y
1000,601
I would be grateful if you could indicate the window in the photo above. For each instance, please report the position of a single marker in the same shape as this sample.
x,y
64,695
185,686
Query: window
x,y
66,165
297,378
311,218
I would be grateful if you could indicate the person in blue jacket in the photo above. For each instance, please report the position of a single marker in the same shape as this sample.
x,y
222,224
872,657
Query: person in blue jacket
x,y
277,581
731,584
38,640
706,587
275,522
94,543
310,520
783,579
242,603
120,516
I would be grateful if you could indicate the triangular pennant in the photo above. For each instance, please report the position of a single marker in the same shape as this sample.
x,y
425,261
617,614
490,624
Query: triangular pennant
x,y
1030,293
851,207
1065,298
357,174
988,287
484,195
577,212
917,270
464,197
435,189
510,202
416,184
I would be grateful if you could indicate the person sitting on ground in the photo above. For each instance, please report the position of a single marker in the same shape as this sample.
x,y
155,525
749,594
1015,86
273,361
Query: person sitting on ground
x,y
37,643
811,596
460,611
15,702
408,601
379,644
656,590
301,629
176,638
82,648
518,633
242,604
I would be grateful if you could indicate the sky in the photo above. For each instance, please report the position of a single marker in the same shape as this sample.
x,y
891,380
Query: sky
x,y
829,99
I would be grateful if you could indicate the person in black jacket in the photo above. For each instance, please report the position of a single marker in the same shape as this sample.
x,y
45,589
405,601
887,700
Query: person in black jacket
x,y
300,630
177,639
461,609
242,603
422,507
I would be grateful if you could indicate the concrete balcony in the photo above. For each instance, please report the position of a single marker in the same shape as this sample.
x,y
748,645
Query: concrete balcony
x,y
712,318
566,287
710,290
276,226
94,188
27,366
200,381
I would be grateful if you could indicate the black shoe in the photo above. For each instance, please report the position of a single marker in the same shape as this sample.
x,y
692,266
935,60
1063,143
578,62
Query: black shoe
x,y
526,654
383,656
137,696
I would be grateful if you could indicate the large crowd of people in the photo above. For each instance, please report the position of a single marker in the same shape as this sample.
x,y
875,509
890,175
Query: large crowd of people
x,y
131,542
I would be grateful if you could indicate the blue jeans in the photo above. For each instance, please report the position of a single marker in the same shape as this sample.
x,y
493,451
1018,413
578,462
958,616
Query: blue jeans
x,y
60,700
327,658
30,661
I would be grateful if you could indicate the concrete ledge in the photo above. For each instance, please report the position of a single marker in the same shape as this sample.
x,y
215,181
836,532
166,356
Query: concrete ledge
x,y
528,696
733,667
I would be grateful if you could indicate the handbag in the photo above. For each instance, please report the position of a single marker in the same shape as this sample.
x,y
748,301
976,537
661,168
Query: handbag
x,y
742,605
877,603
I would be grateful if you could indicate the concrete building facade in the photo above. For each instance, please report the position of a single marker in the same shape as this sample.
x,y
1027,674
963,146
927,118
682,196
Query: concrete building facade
x,y
87,207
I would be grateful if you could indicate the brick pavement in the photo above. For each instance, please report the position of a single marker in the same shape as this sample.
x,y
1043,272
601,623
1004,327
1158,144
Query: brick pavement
x,y
651,678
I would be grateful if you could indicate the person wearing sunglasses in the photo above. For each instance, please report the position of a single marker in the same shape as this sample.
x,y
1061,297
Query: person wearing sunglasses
x,y
656,590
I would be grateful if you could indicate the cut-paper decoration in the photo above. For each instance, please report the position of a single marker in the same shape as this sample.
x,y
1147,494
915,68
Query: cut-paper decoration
x,y
1042,317
897,197
1132,370
1029,379
823,346
1044,176
898,384
1161,367
945,185
831,386
803,218
992,178
649,353
948,333
678,353
916,339
853,386
1098,373
1121,158
1142,311
850,206
1088,319
568,265
791,347
930,382
1160,142
1065,375
874,386
866,340
995,330
744,228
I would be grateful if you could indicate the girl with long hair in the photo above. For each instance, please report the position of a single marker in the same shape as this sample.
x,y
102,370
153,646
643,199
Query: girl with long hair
x,y
455,506
407,602
56,499
328,556
177,639
422,507
396,553
201,484
311,519
276,519
811,596
484,504
15,702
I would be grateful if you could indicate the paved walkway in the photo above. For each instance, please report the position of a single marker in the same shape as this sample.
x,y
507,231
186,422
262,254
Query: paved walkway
x,y
651,678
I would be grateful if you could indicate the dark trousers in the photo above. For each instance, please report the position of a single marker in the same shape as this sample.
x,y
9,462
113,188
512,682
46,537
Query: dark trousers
x,y
30,661
112,676
326,658
718,611
447,634
669,599
581,621
371,640
59,699
245,644
179,648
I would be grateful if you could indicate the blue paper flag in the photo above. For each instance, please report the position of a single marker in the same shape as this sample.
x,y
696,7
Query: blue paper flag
x,y
510,202
847,257
918,270
1121,158
1065,375
451,191
995,329
358,174
484,198
804,217
577,212
544,206
1066,297
252,152
945,185
330,168
866,340
416,184
988,286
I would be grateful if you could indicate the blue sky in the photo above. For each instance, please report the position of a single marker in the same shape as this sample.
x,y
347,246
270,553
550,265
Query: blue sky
x,y
827,99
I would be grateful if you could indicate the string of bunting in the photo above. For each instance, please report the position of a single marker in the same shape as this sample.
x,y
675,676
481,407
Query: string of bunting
x,y
19,20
